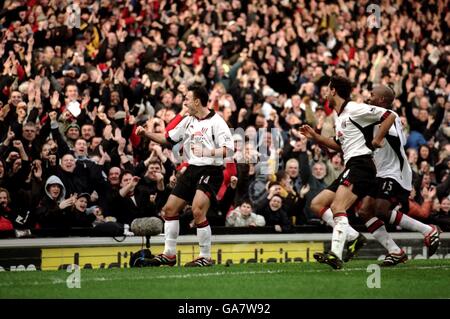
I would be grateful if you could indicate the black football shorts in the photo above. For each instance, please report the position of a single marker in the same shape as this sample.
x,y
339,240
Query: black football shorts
x,y
389,189
360,172
205,178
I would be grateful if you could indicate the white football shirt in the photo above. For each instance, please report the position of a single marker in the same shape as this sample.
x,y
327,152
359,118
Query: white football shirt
x,y
211,133
391,160
355,126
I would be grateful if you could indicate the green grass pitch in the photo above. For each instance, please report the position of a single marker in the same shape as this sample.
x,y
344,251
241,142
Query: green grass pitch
x,y
415,279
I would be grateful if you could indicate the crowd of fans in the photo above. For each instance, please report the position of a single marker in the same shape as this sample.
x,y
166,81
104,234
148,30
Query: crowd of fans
x,y
77,77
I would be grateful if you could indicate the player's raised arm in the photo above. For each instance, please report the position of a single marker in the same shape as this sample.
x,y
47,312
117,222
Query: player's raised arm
x,y
156,137
309,132
172,136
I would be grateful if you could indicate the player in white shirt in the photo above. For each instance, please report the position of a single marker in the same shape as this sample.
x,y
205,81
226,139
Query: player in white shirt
x,y
394,179
206,141
354,137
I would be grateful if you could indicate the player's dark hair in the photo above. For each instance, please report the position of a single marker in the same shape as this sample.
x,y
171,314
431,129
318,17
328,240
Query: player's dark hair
x,y
200,93
342,85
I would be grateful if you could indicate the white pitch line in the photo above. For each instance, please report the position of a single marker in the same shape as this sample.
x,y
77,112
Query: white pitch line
x,y
57,281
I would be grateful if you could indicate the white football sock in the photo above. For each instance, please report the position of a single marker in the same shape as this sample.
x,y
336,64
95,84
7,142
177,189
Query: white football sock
x,y
339,235
408,223
171,231
204,241
378,230
327,217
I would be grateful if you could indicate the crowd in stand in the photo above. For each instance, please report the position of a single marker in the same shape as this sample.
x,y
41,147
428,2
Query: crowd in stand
x,y
78,77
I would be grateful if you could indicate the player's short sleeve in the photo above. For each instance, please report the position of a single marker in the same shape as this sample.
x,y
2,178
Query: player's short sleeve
x,y
176,134
366,114
222,134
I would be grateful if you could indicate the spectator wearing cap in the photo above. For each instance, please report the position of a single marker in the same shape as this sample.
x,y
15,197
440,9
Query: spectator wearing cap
x,y
76,214
72,133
